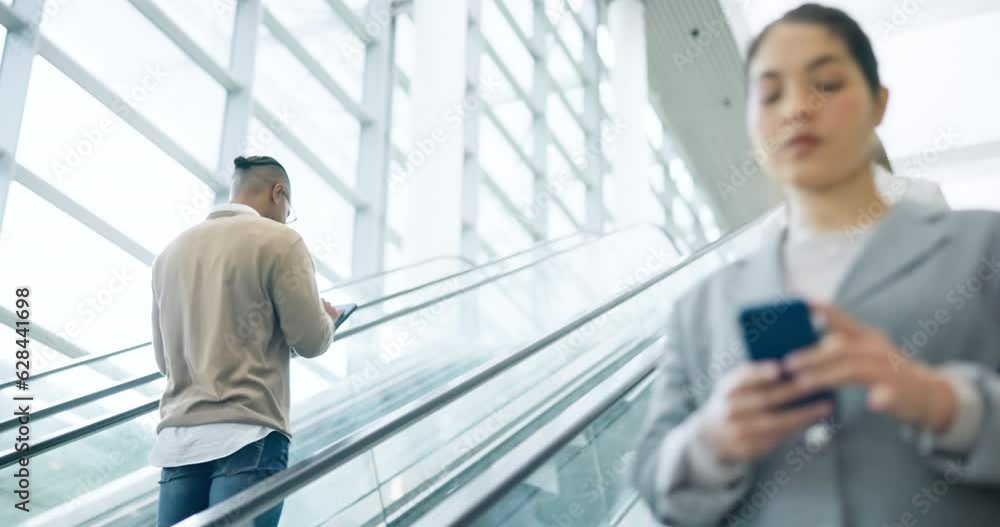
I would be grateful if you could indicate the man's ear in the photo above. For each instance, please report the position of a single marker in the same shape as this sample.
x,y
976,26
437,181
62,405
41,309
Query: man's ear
x,y
276,192
881,104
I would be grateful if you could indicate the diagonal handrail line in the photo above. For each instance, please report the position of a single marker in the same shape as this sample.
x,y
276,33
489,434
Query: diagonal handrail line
x,y
475,498
11,456
262,496
81,361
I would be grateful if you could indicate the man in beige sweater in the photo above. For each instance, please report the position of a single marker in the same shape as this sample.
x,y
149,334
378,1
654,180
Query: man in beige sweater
x,y
232,298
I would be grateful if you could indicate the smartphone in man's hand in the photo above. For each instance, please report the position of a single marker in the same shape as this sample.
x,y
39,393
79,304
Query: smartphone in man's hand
x,y
344,311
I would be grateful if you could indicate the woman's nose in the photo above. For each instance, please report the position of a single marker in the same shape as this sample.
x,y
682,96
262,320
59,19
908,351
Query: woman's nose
x,y
798,108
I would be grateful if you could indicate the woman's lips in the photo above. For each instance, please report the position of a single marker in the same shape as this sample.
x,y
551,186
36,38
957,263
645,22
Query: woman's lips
x,y
802,144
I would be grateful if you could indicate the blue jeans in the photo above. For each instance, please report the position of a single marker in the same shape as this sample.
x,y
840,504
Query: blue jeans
x,y
189,489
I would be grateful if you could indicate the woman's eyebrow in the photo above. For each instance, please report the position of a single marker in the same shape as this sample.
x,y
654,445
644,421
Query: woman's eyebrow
x,y
822,60
814,64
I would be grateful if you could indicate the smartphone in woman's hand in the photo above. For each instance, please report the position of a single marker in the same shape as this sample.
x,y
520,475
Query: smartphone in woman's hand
x,y
772,331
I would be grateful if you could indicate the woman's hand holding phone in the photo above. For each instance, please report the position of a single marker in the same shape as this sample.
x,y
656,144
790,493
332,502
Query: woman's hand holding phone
x,y
853,353
746,415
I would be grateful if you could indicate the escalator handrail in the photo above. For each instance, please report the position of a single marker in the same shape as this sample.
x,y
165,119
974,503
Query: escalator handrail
x,y
11,456
417,307
69,404
474,498
463,272
260,497
87,359
385,272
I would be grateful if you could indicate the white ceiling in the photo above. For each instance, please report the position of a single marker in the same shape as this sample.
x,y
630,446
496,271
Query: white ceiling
x,y
697,89
939,59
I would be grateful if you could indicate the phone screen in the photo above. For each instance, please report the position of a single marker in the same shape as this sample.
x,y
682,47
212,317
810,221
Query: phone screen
x,y
772,331
345,312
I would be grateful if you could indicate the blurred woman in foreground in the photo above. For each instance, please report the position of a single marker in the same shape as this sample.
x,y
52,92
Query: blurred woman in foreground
x,y
911,299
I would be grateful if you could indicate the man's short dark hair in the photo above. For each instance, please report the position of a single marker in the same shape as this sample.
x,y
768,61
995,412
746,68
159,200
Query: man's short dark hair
x,y
243,163
248,180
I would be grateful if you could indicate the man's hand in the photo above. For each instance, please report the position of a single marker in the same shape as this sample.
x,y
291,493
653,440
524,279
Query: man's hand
x,y
853,353
743,419
330,310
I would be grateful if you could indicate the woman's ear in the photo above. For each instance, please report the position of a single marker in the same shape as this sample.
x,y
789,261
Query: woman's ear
x,y
881,103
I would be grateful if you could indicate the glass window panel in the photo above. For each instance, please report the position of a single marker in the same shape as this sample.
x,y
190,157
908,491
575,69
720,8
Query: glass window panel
x,y
559,224
496,29
402,126
504,165
325,219
393,256
3,41
523,13
210,24
288,89
314,115
682,215
328,39
497,227
564,182
144,67
707,218
405,42
607,95
358,6
565,25
494,88
103,304
565,76
605,46
610,190
654,128
87,152
562,123
512,111
610,131
682,178
575,96
397,203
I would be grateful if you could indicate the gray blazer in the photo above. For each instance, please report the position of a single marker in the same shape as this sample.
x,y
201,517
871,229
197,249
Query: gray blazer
x,y
927,278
